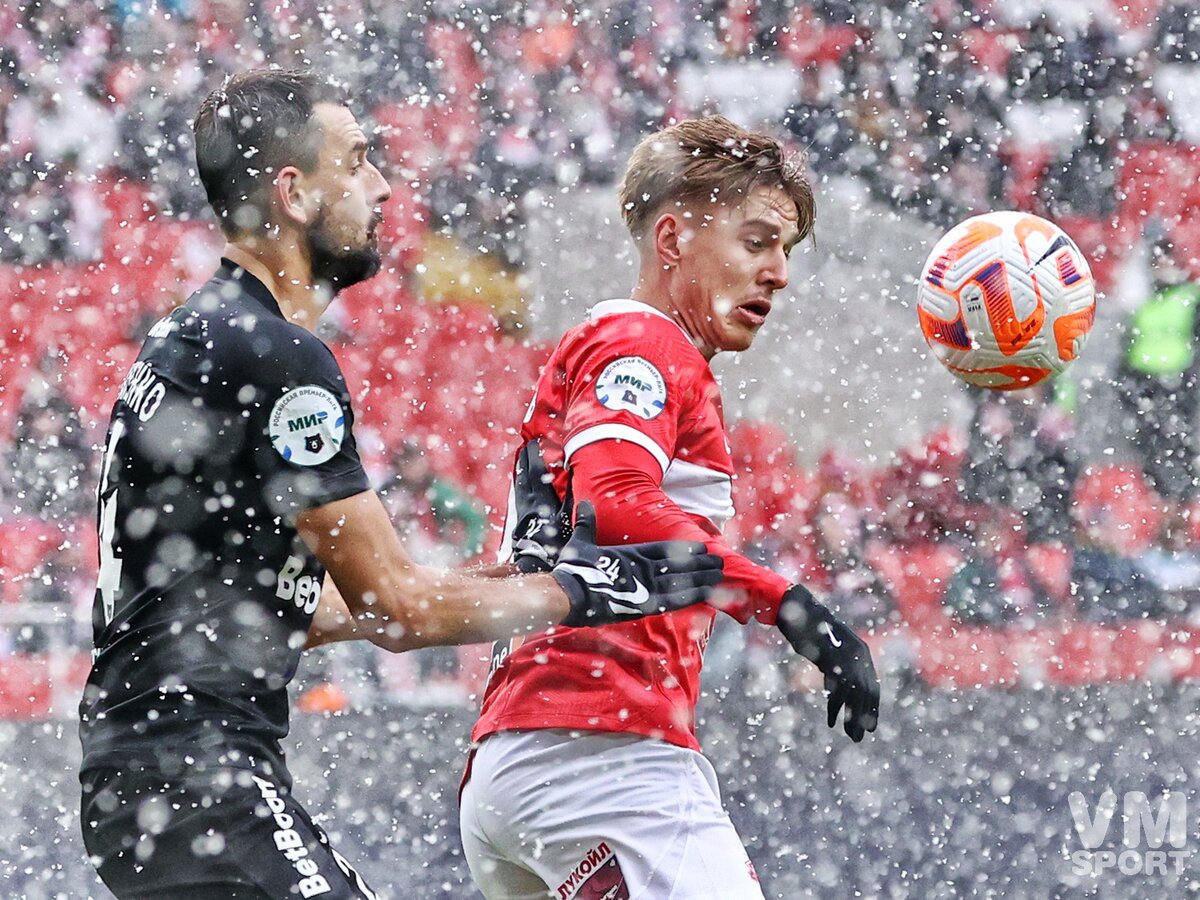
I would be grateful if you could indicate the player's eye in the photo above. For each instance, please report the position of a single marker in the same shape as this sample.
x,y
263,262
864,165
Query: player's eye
x,y
755,244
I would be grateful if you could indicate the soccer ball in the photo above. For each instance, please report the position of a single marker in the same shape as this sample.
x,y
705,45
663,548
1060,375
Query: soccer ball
x,y
1006,300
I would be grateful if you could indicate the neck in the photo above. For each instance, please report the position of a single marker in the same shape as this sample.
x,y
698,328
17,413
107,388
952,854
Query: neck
x,y
285,270
654,289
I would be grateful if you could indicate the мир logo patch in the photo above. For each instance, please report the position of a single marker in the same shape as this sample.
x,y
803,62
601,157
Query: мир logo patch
x,y
307,425
632,384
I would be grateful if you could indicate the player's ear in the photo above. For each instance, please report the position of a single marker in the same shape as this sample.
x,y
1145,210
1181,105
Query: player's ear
x,y
667,236
296,197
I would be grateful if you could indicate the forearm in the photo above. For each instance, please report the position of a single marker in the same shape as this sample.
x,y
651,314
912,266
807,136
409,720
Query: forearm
x,y
492,570
458,608
399,605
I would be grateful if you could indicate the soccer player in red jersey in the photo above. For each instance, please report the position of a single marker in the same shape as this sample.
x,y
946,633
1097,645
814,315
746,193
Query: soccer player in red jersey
x,y
586,779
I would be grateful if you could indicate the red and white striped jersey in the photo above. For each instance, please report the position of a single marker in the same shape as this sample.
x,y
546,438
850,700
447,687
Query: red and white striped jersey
x,y
628,409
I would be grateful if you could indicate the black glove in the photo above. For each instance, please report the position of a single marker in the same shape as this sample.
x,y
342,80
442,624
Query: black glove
x,y
543,523
817,635
616,584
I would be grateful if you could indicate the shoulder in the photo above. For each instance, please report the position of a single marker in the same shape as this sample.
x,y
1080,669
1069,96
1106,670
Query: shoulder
x,y
245,340
628,321
630,358
636,337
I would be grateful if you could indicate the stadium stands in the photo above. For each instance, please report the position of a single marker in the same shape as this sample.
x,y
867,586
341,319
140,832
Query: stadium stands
x,y
437,375
471,117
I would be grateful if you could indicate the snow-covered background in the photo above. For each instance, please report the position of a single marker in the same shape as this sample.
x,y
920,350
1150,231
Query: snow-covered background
x,y
864,468
955,796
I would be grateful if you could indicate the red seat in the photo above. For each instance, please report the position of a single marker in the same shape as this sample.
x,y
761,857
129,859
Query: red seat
x,y
1119,494
30,686
917,576
130,207
404,133
25,687
989,50
96,376
1091,654
964,657
1158,181
1052,564
405,224
1026,167
1186,237
1135,15
1179,653
1078,654
807,39
24,542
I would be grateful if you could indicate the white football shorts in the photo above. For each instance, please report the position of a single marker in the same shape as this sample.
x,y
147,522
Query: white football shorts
x,y
599,816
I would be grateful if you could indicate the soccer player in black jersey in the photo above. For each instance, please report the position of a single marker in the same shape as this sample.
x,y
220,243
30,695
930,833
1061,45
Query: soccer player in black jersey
x,y
237,527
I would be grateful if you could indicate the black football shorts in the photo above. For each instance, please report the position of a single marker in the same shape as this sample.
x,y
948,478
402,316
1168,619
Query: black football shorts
x,y
225,834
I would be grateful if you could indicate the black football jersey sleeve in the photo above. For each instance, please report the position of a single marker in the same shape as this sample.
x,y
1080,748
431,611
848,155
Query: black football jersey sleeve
x,y
231,421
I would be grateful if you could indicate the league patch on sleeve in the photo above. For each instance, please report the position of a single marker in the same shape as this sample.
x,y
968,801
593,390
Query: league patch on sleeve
x,y
307,426
632,384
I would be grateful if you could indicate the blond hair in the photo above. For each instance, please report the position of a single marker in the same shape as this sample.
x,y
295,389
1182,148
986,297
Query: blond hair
x,y
709,160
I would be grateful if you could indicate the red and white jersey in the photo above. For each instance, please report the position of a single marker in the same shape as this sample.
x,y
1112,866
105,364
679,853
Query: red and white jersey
x,y
629,409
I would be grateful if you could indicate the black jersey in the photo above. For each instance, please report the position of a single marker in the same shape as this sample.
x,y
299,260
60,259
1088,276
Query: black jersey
x,y
230,422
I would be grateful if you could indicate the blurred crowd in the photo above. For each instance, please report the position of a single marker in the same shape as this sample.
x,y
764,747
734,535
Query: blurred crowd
x,y
999,529
1029,534
998,526
943,108
953,108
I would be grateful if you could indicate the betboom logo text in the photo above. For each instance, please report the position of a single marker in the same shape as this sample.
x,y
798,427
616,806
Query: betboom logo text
x,y
1154,834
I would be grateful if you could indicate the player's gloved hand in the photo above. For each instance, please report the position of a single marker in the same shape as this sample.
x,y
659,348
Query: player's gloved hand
x,y
543,523
616,584
819,636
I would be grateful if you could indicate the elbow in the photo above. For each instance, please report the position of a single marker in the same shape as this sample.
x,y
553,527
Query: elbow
x,y
404,618
400,629
394,638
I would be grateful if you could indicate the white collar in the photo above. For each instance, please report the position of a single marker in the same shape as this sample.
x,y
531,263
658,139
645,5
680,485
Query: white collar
x,y
613,307
622,306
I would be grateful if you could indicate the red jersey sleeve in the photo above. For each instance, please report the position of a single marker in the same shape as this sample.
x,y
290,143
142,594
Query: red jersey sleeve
x,y
629,387
622,481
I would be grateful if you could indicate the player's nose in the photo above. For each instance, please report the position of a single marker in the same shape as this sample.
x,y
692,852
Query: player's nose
x,y
383,190
775,273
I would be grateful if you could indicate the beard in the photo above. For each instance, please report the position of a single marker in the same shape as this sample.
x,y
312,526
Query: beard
x,y
335,265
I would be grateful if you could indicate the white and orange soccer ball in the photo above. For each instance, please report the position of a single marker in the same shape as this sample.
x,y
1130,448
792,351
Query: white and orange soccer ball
x,y
1006,300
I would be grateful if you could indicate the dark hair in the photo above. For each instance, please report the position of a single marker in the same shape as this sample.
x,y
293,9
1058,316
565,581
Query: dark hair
x,y
256,123
709,160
